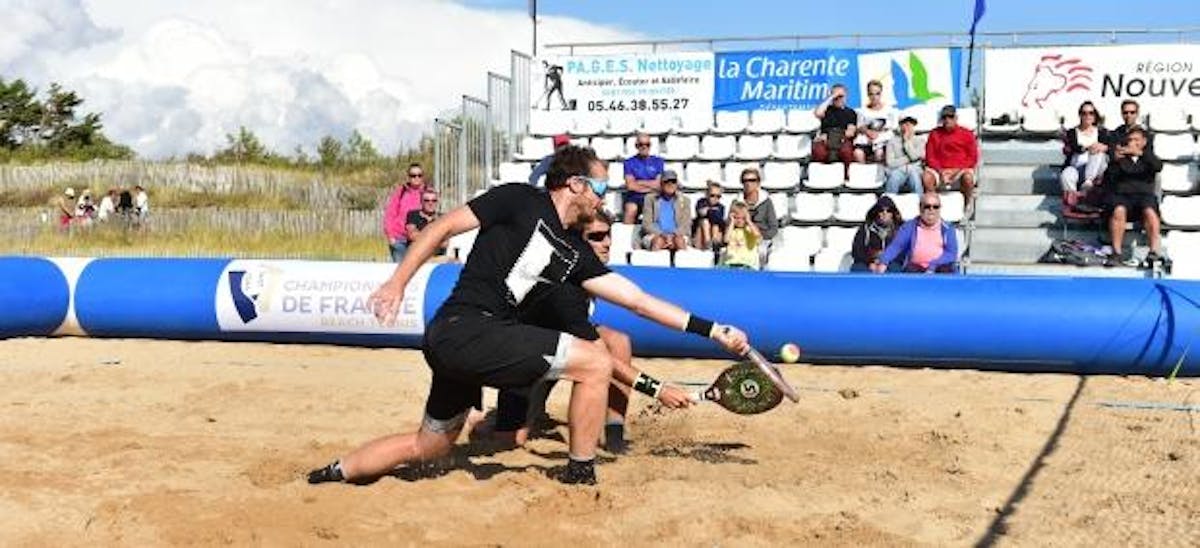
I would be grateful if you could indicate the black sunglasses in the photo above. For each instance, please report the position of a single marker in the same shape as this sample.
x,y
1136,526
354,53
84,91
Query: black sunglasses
x,y
1129,112
931,206
749,180
598,236
433,201
416,175
642,145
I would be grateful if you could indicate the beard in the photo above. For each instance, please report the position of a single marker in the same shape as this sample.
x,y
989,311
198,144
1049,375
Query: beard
x,y
584,214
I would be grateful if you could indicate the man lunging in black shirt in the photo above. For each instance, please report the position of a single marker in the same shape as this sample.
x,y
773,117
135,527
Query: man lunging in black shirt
x,y
476,339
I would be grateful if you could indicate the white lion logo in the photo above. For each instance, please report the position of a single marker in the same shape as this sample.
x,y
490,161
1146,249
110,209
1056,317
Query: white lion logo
x,y
1054,74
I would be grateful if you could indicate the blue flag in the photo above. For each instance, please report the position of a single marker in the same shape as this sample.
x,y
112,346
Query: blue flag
x,y
979,9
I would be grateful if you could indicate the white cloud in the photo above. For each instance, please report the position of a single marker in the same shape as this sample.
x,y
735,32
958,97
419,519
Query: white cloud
x,y
174,76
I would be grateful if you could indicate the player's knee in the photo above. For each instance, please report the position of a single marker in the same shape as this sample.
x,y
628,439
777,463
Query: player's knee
x,y
618,343
595,363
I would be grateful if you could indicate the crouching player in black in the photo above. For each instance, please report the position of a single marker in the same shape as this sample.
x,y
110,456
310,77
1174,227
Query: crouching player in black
x,y
476,338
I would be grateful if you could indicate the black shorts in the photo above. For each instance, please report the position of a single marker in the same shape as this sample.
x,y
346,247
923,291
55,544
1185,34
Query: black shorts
x,y
1135,204
469,349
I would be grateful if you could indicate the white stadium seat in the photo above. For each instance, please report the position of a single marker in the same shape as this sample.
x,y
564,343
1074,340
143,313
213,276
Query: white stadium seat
x,y
1184,250
830,260
793,147
609,148
952,206
718,147
590,124
622,238
908,204
926,116
535,148
755,147
802,121
840,238
732,122
864,177
658,123
787,259
645,257
1194,113
616,175
1174,178
1181,211
767,121
515,172
1040,120
694,124
1168,119
968,118
961,235
624,123
1175,147
807,239
612,202
812,208
825,176
699,173
694,258
1014,123
631,147
732,180
781,203
547,123
681,147
853,207
459,246
781,175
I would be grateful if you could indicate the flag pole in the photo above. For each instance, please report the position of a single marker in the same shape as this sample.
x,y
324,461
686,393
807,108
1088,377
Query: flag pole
x,y
533,16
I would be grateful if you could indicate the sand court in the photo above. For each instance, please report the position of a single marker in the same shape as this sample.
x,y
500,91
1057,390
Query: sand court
x,y
141,442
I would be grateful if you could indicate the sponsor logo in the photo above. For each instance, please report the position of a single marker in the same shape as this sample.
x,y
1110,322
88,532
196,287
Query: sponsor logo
x,y
912,86
1055,74
252,290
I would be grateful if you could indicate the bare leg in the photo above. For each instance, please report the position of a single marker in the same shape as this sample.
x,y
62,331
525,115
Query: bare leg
x,y
630,213
929,181
589,366
1152,228
621,349
1116,226
380,456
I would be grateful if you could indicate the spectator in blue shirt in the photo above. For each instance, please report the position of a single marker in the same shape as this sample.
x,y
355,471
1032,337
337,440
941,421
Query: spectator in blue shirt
x,y
667,217
543,166
643,175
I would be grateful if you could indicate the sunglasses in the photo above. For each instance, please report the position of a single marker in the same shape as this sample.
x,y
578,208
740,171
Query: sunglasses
x,y
433,201
1087,112
598,236
1129,112
416,175
642,145
714,196
599,186
750,180
931,206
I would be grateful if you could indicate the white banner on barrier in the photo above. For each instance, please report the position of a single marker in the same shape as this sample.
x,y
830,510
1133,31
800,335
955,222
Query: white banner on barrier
x,y
1163,76
311,296
677,83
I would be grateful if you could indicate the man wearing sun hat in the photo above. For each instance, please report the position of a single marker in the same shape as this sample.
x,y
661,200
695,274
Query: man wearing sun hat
x,y
65,205
543,166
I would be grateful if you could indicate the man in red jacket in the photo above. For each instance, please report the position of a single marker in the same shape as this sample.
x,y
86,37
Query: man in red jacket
x,y
951,155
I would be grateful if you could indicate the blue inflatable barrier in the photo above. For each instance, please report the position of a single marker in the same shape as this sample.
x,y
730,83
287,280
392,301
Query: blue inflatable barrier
x,y
34,297
1076,325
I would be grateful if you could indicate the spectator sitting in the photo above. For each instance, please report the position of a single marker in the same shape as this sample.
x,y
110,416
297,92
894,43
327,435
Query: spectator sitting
x,y
666,216
905,153
85,209
708,228
108,205
875,123
1132,193
418,219
543,166
404,198
876,233
742,241
762,210
65,205
643,175
125,202
925,244
951,154
141,202
1130,112
1086,158
838,126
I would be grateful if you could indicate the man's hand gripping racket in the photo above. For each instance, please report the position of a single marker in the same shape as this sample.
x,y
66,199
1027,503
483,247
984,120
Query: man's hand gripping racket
x,y
749,387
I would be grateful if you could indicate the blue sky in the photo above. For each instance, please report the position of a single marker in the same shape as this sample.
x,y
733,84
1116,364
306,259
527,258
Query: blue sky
x,y
692,18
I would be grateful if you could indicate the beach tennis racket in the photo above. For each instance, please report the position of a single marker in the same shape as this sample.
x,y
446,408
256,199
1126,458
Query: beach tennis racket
x,y
742,388
767,368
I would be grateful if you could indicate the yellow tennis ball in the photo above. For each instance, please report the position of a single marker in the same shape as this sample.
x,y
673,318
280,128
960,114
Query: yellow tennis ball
x,y
789,353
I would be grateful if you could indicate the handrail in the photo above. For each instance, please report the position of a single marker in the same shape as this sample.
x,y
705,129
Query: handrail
x,y
951,36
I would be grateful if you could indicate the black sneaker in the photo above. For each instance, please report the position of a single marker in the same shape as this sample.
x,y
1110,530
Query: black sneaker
x,y
1113,259
327,474
614,439
578,473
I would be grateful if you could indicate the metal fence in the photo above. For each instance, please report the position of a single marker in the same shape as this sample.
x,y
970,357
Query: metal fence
x,y
20,222
477,128
447,176
521,72
501,136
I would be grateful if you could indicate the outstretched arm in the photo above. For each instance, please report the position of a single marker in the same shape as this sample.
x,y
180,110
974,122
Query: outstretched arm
x,y
622,292
385,301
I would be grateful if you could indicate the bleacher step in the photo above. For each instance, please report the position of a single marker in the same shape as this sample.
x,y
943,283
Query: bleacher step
x,y
1027,245
1016,269
1021,152
1023,211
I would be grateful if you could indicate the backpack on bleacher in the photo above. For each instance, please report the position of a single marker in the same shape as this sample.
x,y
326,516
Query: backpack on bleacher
x,y
1073,252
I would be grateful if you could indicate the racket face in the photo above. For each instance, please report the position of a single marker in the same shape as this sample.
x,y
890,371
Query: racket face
x,y
773,374
743,389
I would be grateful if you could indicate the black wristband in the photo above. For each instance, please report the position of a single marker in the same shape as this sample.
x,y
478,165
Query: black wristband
x,y
699,326
647,385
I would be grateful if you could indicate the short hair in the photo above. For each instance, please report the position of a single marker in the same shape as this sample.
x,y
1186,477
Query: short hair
x,y
713,184
569,161
1130,102
1136,129
876,83
753,170
838,85
429,191
604,216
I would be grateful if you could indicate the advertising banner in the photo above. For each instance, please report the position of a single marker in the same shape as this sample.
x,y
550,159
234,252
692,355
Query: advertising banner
x,y
677,83
313,297
1060,78
772,80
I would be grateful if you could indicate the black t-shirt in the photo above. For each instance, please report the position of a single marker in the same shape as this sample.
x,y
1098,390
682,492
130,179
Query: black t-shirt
x,y
416,219
521,254
565,308
838,118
